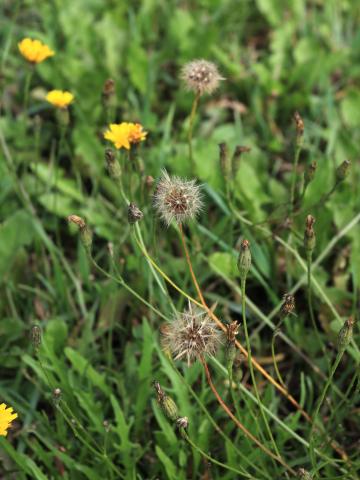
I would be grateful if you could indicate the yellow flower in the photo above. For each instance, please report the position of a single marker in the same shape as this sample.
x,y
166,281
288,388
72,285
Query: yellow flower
x,y
124,134
6,417
34,51
59,99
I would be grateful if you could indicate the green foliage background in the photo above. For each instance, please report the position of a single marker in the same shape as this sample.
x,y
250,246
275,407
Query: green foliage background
x,y
100,344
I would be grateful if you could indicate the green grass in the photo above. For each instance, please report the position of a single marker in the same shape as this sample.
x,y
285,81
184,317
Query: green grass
x,y
101,327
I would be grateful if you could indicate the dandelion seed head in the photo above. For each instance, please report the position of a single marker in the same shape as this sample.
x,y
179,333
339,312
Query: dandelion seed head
x,y
191,334
177,199
201,76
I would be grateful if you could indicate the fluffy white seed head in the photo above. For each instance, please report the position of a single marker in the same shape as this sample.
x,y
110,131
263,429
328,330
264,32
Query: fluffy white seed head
x,y
191,334
177,199
201,76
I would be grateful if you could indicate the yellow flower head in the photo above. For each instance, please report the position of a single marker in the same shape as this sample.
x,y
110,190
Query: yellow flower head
x,y
59,99
124,134
34,51
6,417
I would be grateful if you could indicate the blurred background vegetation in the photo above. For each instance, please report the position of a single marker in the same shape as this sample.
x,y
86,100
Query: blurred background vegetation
x,y
100,344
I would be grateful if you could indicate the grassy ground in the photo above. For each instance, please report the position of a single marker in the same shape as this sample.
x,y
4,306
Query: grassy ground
x,y
100,327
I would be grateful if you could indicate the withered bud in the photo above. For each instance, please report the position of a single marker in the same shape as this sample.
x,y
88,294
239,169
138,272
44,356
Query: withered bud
x,y
35,336
309,235
149,182
244,260
85,232
108,88
56,396
182,422
225,164
76,220
303,474
166,403
106,426
235,161
288,305
343,170
134,214
112,164
299,123
345,334
310,172
232,329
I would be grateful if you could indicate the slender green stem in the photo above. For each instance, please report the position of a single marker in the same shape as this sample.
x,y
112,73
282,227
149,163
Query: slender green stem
x,y
251,369
211,459
294,175
28,79
311,309
320,402
191,125
277,371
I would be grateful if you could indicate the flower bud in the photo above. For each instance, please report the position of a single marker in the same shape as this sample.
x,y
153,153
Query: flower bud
x,y
309,235
134,214
56,396
345,334
288,306
232,330
310,172
63,117
225,164
303,474
182,422
299,123
85,232
35,336
235,161
244,260
343,170
166,403
112,164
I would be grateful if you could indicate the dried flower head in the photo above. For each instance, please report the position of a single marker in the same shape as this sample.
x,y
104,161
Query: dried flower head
x,y
6,418
177,199
288,306
134,213
201,76
34,51
191,334
59,98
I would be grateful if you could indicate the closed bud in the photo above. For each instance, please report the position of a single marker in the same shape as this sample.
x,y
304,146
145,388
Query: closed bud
x,y
309,235
112,164
235,161
343,170
232,330
166,403
56,396
182,422
288,305
310,172
134,214
244,260
63,117
345,334
299,124
85,232
303,474
225,164
35,336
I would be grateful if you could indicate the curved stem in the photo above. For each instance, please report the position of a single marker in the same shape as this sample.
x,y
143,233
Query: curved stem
x,y
211,459
239,424
251,369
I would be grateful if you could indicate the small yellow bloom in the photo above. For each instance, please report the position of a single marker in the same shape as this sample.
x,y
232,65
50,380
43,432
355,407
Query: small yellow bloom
x,y
59,99
6,417
124,134
34,51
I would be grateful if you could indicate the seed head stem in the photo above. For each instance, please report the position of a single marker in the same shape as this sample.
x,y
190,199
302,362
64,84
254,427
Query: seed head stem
x,y
191,124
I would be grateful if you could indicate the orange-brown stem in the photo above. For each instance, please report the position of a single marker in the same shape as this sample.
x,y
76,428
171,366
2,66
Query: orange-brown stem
x,y
243,350
239,424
